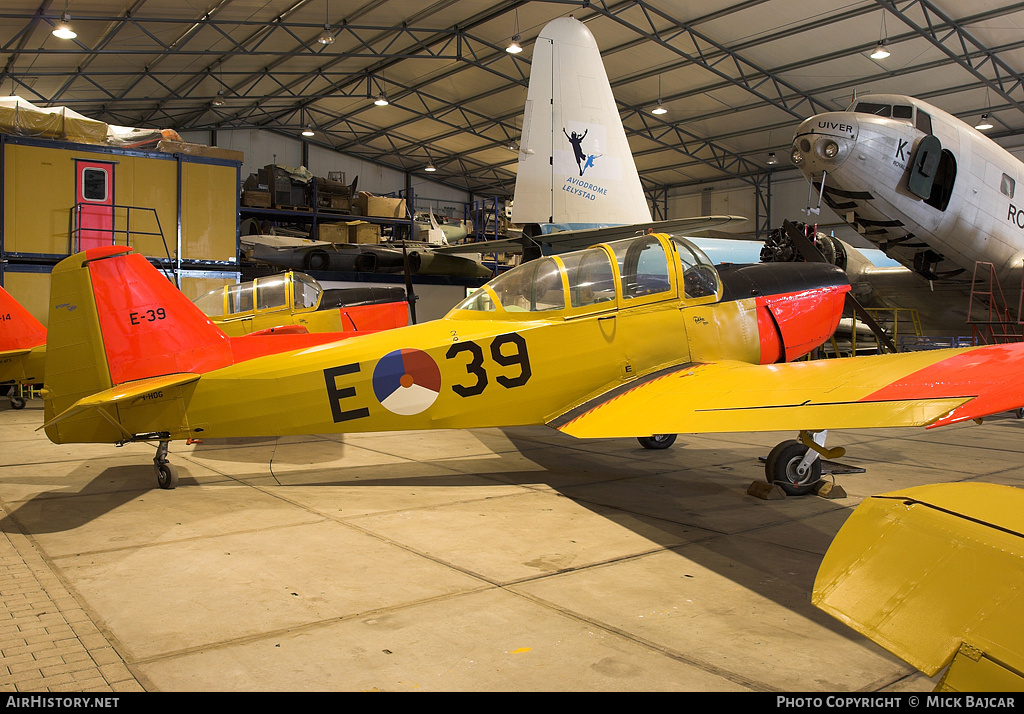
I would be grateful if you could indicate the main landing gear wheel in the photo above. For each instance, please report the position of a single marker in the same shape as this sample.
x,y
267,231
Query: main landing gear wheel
x,y
781,468
17,403
166,475
658,441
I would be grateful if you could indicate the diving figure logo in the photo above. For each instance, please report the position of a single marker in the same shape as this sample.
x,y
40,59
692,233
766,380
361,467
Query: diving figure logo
x,y
583,160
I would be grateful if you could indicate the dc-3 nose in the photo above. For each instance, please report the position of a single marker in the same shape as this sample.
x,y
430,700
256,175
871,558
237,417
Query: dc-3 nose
x,y
824,142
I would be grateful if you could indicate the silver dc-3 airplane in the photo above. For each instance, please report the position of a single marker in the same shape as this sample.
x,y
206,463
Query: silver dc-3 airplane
x,y
932,192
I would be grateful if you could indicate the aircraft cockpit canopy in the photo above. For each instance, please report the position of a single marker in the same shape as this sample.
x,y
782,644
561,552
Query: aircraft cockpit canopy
x,y
274,292
631,271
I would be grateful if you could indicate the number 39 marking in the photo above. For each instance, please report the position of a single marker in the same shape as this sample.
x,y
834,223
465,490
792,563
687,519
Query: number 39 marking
x,y
475,367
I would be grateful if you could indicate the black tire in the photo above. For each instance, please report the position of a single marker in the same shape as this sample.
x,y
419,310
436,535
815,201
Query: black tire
x,y
780,468
166,476
316,260
17,403
658,441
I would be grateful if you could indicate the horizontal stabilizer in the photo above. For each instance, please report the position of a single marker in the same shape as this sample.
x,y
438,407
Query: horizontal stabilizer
x,y
933,575
126,394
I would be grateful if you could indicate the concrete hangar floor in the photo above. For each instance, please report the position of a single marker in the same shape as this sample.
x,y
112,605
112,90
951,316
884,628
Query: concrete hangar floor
x,y
480,560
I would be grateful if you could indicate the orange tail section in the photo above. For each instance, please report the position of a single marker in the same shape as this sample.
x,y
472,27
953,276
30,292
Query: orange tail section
x,y
115,319
19,330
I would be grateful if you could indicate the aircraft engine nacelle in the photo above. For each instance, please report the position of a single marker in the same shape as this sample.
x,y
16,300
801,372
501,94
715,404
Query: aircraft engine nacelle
x,y
779,248
799,305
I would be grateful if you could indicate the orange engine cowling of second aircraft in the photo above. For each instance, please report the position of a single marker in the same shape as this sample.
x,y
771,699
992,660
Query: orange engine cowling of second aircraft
x,y
799,305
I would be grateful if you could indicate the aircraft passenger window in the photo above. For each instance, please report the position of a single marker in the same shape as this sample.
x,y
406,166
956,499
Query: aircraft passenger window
x,y
590,277
643,266
533,286
924,123
1006,185
271,292
901,111
881,110
239,298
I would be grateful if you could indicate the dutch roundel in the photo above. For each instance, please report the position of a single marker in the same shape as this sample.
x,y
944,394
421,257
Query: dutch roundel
x,y
406,381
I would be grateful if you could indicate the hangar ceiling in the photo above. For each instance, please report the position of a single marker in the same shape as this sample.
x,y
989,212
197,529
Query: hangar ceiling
x,y
736,76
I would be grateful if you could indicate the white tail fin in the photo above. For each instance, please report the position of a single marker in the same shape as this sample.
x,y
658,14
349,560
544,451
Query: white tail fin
x,y
575,165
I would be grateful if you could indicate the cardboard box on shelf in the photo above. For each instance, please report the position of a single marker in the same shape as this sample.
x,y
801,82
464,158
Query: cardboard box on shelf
x,y
363,232
256,199
333,232
380,207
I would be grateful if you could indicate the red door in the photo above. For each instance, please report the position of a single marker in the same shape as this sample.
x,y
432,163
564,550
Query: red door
x,y
94,196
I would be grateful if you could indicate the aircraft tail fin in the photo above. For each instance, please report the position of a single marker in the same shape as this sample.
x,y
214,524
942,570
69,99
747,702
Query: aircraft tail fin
x,y
19,329
575,164
114,319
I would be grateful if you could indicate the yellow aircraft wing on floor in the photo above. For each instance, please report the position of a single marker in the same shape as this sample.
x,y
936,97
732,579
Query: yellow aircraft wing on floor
x,y
933,574
731,396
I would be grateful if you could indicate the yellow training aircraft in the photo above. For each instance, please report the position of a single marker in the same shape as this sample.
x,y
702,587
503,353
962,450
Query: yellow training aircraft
x,y
640,337
22,346
297,301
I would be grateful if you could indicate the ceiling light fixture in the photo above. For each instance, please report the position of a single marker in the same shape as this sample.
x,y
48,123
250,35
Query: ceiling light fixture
x,y
514,47
381,100
218,101
984,123
326,37
64,30
430,167
659,109
880,51
771,158
308,131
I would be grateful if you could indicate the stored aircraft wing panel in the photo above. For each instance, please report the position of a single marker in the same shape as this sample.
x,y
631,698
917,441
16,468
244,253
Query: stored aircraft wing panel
x,y
932,574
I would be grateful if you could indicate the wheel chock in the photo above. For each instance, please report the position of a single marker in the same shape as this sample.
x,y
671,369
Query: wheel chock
x,y
829,489
766,491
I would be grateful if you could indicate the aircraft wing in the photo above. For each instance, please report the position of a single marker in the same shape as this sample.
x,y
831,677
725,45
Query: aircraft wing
x,y
502,245
848,393
586,237
932,573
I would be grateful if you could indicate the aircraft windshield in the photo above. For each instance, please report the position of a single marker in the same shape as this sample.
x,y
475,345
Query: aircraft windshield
x,y
896,111
307,290
700,279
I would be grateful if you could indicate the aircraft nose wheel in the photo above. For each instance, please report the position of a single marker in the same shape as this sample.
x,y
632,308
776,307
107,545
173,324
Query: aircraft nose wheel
x,y
166,475
658,441
782,468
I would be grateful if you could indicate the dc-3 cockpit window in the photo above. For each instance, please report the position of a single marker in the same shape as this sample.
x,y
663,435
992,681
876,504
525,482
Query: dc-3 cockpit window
x,y
643,266
896,111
